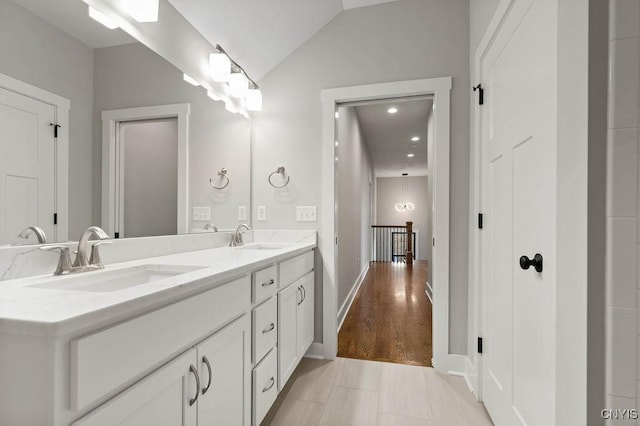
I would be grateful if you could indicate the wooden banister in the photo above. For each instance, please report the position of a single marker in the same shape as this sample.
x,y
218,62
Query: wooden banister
x,y
409,256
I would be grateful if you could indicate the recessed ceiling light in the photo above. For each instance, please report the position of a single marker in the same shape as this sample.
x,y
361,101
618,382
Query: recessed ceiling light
x,y
415,138
411,155
392,110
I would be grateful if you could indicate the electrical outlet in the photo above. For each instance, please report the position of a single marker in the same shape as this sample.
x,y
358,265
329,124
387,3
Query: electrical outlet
x,y
201,214
306,214
262,213
242,212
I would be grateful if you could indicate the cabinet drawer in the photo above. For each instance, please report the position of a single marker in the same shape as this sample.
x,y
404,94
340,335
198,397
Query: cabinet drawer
x,y
292,269
265,386
265,283
265,328
108,359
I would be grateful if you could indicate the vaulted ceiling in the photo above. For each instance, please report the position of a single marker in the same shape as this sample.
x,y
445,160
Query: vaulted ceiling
x,y
257,34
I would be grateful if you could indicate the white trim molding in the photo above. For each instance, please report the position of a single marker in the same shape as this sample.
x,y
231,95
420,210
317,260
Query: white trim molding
x,y
110,122
342,313
61,106
440,88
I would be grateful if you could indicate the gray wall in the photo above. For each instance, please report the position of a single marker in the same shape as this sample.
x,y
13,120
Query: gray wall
x,y
410,39
389,192
133,76
39,54
353,175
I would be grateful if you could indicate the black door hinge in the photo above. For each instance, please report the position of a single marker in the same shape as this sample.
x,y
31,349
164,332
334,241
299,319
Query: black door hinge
x,y
479,345
55,218
480,93
480,220
55,129
116,235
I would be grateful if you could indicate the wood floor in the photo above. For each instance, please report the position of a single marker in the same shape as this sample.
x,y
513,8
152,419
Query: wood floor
x,y
390,318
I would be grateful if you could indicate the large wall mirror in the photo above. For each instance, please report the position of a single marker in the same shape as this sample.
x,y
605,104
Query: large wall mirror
x,y
146,152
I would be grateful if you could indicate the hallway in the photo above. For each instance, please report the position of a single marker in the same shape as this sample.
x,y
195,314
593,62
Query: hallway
x,y
390,318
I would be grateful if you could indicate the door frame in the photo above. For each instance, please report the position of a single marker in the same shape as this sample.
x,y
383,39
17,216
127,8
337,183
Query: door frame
x,y
580,221
440,89
61,108
111,120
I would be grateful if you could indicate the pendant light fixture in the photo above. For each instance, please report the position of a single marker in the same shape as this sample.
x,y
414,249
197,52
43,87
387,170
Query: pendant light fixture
x,y
405,205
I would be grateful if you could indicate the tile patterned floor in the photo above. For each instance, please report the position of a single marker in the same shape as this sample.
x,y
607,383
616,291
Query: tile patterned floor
x,y
369,393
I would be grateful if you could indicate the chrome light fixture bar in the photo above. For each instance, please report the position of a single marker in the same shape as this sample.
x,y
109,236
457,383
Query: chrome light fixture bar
x,y
225,69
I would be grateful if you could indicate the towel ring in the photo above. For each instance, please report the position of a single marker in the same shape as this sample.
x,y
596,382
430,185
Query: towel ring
x,y
223,174
280,171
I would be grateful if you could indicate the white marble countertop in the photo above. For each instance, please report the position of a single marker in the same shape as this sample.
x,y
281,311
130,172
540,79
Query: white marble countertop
x,y
28,307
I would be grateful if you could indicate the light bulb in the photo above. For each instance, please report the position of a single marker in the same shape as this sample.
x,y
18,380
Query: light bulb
x,y
238,85
410,206
220,67
254,100
400,207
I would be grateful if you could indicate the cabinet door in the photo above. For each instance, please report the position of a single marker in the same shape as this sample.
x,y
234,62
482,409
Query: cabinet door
x,y
164,398
288,300
224,361
306,314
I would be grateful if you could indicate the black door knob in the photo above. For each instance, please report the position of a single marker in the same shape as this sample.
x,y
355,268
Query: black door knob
x,y
536,262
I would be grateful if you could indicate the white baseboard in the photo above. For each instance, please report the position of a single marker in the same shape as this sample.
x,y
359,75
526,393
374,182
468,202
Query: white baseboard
x,y
429,291
342,313
315,351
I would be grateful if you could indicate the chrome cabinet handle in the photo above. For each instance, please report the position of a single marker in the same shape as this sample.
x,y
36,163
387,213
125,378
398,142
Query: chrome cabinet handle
x,y
271,327
193,370
272,382
300,290
304,293
206,362
268,283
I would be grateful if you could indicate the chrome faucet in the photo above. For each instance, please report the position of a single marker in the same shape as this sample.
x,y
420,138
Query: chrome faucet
x,y
236,237
35,230
83,262
210,226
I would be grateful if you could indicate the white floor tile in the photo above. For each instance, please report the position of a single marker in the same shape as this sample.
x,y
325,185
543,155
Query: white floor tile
x,y
294,412
393,420
403,391
358,374
351,407
313,379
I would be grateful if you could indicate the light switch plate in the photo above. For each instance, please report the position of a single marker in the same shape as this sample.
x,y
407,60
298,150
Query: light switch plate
x,y
201,214
242,212
262,213
306,214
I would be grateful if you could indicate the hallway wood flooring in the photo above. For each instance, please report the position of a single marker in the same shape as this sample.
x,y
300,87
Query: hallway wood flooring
x,y
390,318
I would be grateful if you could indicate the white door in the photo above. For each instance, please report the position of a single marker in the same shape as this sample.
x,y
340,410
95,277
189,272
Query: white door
x,y
27,166
519,139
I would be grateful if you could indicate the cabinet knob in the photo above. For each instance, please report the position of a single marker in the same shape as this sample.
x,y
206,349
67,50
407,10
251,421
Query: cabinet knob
x,y
536,262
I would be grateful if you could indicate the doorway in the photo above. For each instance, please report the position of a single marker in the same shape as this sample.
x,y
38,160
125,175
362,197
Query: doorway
x,y
439,89
384,311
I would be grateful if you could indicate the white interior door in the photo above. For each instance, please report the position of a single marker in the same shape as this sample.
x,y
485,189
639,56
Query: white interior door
x,y
519,138
27,166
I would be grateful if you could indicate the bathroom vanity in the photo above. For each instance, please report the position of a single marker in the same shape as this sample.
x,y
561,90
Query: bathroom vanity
x,y
198,337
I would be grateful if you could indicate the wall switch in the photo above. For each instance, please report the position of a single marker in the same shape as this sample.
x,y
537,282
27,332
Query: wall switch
x,y
306,214
262,213
242,212
202,214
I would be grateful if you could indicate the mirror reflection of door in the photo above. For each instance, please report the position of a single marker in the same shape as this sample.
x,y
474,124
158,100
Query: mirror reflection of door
x,y
27,167
147,190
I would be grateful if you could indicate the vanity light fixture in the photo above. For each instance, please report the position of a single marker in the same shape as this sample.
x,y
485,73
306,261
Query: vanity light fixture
x,y
220,67
254,100
238,85
392,110
142,10
225,70
190,79
415,139
102,18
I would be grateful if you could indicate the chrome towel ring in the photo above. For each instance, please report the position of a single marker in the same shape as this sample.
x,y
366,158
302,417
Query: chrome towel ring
x,y
223,174
279,171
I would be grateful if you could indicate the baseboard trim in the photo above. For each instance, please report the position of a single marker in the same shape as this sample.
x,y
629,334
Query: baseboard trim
x,y
315,351
429,291
342,313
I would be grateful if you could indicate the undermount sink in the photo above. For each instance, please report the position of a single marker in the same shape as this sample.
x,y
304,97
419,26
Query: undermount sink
x,y
264,247
106,281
